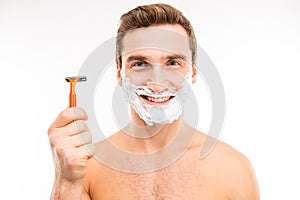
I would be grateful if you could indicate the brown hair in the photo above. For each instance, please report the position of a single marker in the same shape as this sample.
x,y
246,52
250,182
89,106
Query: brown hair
x,y
149,15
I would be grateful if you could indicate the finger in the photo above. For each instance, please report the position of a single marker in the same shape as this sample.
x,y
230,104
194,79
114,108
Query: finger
x,y
82,155
69,115
73,128
67,142
82,139
85,151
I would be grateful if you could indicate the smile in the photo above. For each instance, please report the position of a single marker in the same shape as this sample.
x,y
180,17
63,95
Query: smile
x,y
156,100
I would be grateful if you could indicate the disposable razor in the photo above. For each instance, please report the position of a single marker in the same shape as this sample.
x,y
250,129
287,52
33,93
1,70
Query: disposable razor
x,y
73,80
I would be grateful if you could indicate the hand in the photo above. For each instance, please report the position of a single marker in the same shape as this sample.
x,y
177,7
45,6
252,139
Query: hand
x,y
71,144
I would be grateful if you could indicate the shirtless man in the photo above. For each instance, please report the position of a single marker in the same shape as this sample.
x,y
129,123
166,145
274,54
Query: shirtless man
x,y
95,171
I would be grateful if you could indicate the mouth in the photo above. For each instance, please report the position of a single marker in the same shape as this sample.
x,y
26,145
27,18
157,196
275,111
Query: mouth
x,y
156,100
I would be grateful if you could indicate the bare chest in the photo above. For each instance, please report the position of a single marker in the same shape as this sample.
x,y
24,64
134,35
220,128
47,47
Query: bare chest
x,y
162,184
181,180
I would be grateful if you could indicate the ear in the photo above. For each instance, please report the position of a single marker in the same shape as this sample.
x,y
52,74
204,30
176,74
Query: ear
x,y
119,77
194,75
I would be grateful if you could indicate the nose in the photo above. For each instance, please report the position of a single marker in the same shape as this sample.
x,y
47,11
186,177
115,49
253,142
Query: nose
x,y
156,87
157,73
157,82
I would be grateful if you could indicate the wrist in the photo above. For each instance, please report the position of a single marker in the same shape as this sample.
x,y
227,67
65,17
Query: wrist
x,y
68,183
65,190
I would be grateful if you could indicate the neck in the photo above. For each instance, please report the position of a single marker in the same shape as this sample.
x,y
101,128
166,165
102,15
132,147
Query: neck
x,y
138,137
154,138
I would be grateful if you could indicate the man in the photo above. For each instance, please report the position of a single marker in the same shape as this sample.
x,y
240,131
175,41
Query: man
x,y
157,154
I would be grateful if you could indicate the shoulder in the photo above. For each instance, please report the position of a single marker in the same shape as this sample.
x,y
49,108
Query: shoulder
x,y
94,184
235,169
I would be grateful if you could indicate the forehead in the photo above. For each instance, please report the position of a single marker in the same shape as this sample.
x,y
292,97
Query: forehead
x,y
169,38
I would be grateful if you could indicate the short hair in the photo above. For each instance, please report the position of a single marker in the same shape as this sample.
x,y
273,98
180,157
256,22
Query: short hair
x,y
150,15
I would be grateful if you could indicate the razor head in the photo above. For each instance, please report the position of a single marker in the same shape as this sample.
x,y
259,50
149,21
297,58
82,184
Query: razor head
x,y
76,78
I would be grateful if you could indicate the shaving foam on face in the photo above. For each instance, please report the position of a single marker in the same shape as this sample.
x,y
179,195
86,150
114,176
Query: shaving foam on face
x,y
155,114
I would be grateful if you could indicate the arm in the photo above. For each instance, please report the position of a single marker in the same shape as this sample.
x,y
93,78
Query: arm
x,y
69,191
244,182
63,190
71,147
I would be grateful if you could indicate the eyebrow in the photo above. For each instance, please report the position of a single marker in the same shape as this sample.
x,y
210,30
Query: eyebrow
x,y
176,56
144,58
131,58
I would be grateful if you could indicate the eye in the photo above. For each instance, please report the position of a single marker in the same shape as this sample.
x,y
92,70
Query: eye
x,y
174,64
139,64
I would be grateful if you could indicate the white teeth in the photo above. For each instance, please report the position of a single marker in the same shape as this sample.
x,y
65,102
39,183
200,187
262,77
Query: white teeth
x,y
158,99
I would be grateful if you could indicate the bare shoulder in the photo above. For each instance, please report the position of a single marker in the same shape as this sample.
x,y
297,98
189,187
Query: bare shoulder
x,y
234,168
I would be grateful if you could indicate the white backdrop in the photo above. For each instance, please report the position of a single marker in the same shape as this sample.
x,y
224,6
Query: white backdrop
x,y
254,44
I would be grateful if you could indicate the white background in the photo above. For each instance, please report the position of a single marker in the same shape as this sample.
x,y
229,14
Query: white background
x,y
255,46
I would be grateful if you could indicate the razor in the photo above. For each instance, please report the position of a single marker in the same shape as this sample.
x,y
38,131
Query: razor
x,y
73,80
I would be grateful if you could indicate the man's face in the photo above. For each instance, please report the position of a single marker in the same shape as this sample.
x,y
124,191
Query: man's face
x,y
158,57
